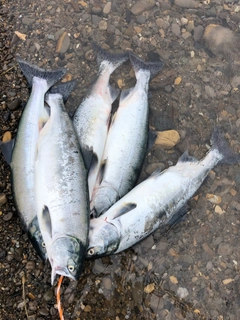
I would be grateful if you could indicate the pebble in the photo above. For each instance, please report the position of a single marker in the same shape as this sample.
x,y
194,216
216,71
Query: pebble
x,y
27,20
107,8
219,39
103,25
182,292
225,249
31,265
48,295
87,308
198,33
141,19
7,136
3,198
173,279
32,317
15,104
96,19
210,92
58,34
167,139
213,198
107,283
156,303
8,216
44,312
149,288
63,43
142,5
191,4
175,29
96,9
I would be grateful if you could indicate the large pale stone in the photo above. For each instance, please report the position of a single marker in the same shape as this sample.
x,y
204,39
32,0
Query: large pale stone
x,y
167,139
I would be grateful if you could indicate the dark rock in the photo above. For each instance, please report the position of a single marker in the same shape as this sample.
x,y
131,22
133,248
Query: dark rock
x,y
15,104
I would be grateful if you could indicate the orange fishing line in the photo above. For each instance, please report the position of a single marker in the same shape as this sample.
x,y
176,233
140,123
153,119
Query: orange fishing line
x,y
60,310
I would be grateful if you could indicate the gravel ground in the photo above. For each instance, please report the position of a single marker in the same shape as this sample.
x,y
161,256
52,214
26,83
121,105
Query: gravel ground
x,y
192,270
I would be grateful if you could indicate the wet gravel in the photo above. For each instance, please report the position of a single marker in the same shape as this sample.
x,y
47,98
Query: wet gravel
x,y
192,270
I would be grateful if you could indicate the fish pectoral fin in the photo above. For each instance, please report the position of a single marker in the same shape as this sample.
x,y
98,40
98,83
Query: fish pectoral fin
x,y
7,149
114,92
101,171
185,157
46,218
124,209
93,164
87,154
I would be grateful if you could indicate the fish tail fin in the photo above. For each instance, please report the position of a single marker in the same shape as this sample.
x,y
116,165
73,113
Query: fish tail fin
x,y
64,89
220,144
138,64
109,60
30,71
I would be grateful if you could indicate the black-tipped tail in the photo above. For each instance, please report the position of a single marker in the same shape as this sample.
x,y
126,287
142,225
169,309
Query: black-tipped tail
x,y
64,88
138,64
115,58
218,142
30,71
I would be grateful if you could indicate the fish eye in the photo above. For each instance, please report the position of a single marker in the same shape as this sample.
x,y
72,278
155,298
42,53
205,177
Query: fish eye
x,y
91,251
71,268
43,245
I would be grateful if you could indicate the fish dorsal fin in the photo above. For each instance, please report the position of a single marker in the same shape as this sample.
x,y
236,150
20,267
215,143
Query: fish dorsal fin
x,y
7,149
47,220
124,209
125,93
185,157
114,92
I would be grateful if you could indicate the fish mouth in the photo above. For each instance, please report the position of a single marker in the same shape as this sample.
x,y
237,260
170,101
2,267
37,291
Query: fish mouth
x,y
61,272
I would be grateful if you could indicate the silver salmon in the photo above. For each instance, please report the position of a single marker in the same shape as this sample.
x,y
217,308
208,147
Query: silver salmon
x,y
21,153
61,192
126,142
156,202
91,119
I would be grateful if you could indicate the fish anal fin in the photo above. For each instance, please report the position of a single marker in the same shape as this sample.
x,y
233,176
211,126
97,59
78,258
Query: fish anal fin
x,y
178,216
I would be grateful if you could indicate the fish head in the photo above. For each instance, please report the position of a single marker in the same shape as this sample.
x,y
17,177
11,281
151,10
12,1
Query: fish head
x,y
103,240
67,257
